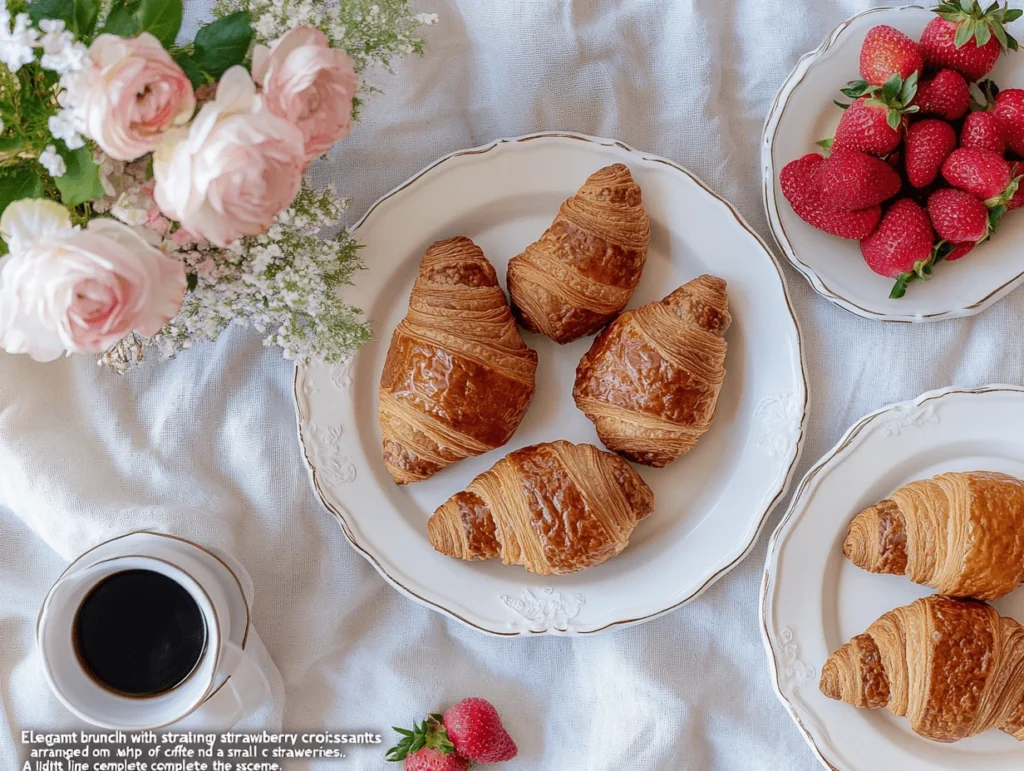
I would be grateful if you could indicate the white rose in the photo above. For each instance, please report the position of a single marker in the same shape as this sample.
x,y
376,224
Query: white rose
x,y
236,168
65,289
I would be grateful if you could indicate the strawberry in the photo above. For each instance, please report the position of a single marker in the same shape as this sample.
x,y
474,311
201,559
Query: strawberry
x,y
850,180
429,759
983,131
959,250
1016,200
427,748
804,195
982,173
1009,109
946,95
903,239
928,144
886,51
958,216
874,122
477,733
967,39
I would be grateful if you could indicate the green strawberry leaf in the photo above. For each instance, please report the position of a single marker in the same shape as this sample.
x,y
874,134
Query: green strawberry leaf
x,y
964,32
899,289
982,34
856,88
909,89
1012,14
840,105
826,144
893,118
994,216
892,87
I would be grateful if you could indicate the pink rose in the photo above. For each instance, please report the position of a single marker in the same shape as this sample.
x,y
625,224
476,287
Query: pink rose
x,y
133,93
64,289
234,170
310,84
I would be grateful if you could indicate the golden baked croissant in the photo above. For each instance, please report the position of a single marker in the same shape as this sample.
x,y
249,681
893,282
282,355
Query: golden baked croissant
x,y
961,533
583,270
651,379
555,507
458,377
954,668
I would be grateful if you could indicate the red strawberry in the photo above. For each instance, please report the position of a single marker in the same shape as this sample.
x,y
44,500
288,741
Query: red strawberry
x,y
960,250
947,94
865,127
983,131
427,748
804,195
850,180
903,239
928,144
982,173
958,216
886,51
477,733
1009,109
967,39
1017,200
429,759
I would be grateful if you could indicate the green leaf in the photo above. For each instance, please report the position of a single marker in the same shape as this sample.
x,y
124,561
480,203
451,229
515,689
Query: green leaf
x,y
223,44
190,68
161,18
1011,42
1012,14
86,13
81,181
964,32
122,20
899,289
967,6
191,281
909,90
53,9
826,144
18,183
840,105
982,35
893,119
892,87
855,88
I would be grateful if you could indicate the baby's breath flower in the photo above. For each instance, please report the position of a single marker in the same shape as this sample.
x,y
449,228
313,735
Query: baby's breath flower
x,y
52,162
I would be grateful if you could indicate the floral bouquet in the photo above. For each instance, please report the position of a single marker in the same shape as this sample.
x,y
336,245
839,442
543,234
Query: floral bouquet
x,y
152,192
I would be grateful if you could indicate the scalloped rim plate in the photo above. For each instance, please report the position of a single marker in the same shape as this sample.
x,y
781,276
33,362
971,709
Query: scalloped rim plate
x,y
813,599
801,114
710,505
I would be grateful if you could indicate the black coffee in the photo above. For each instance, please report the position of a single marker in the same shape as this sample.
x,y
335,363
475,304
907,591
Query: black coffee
x,y
139,633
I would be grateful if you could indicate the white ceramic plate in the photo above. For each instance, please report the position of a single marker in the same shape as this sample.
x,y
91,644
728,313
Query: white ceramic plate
x,y
710,505
802,114
814,599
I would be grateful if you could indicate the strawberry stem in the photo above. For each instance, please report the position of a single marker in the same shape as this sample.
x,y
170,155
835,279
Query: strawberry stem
x,y
922,270
429,733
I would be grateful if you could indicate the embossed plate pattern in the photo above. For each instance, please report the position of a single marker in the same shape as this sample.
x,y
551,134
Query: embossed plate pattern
x,y
710,505
813,599
802,114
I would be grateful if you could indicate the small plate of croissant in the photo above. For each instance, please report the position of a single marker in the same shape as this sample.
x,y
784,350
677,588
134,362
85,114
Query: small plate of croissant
x,y
891,609
584,395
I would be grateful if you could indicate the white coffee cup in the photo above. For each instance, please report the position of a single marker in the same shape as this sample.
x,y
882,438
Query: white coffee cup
x,y
224,684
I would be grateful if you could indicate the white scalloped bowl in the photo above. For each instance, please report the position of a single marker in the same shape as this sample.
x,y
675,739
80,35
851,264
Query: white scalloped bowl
x,y
802,114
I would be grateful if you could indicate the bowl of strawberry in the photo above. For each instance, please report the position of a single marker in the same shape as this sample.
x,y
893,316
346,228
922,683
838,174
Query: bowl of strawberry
x,y
893,162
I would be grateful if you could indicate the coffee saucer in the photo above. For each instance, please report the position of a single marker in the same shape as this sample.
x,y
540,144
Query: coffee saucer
x,y
227,570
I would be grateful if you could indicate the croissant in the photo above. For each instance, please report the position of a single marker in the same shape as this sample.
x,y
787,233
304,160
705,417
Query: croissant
x,y
554,508
581,273
961,533
651,379
458,377
954,668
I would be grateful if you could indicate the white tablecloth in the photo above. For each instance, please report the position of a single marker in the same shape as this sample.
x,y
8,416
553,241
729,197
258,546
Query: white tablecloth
x,y
206,447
